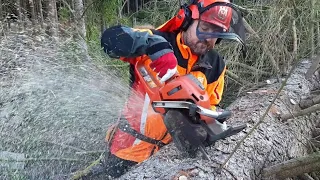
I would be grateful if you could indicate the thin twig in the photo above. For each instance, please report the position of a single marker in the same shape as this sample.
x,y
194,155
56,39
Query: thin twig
x,y
90,152
79,174
235,77
249,68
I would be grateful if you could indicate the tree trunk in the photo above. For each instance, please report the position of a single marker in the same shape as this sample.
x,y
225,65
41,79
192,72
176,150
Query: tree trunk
x,y
1,12
137,6
81,26
40,13
24,13
32,11
19,14
271,143
52,18
128,6
312,20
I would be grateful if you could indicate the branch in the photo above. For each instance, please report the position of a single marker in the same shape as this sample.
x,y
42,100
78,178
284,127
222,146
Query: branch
x,y
295,38
249,29
247,10
313,174
294,167
309,110
272,60
235,77
309,102
316,132
86,9
315,92
250,68
81,173
313,67
90,152
305,176
315,143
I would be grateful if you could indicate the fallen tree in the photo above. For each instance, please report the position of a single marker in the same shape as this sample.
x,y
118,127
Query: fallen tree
x,y
271,143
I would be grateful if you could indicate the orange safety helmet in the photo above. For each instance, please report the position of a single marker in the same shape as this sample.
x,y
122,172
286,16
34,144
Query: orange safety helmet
x,y
193,10
221,13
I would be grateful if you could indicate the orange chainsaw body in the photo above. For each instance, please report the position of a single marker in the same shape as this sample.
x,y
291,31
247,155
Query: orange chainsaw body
x,y
178,88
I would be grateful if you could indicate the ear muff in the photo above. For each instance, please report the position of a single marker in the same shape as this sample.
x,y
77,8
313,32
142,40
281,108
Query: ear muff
x,y
187,15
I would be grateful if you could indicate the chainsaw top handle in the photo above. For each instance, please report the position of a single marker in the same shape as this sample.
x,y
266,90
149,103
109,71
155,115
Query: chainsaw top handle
x,y
223,116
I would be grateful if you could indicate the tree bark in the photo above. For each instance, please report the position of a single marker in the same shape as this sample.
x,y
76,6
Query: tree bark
x,y
81,26
52,18
271,143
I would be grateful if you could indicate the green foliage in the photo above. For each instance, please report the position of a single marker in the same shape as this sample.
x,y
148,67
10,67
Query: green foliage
x,y
157,12
64,14
101,59
270,49
101,14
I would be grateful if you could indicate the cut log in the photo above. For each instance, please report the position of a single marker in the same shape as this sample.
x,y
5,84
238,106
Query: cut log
x,y
271,143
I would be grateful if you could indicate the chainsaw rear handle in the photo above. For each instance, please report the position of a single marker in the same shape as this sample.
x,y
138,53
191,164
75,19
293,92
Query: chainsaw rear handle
x,y
153,83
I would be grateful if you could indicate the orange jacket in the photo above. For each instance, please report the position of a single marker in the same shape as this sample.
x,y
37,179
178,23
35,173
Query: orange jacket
x,y
131,45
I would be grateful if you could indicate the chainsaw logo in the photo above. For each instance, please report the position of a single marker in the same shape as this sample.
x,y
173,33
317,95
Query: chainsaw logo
x,y
223,12
201,79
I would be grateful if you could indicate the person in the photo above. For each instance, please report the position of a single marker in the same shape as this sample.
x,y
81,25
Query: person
x,y
184,45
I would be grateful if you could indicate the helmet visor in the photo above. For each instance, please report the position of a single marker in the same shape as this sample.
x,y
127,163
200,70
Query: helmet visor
x,y
221,20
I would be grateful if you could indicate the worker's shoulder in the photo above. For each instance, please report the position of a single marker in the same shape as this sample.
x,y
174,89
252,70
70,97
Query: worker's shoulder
x,y
169,36
217,63
214,58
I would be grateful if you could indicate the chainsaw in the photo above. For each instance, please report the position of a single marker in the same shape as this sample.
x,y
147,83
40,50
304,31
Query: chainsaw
x,y
186,110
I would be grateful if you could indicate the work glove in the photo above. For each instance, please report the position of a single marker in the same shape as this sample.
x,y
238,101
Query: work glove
x,y
165,66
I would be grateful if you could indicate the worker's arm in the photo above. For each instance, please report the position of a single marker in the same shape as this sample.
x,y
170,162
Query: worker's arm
x,y
125,43
215,90
215,77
